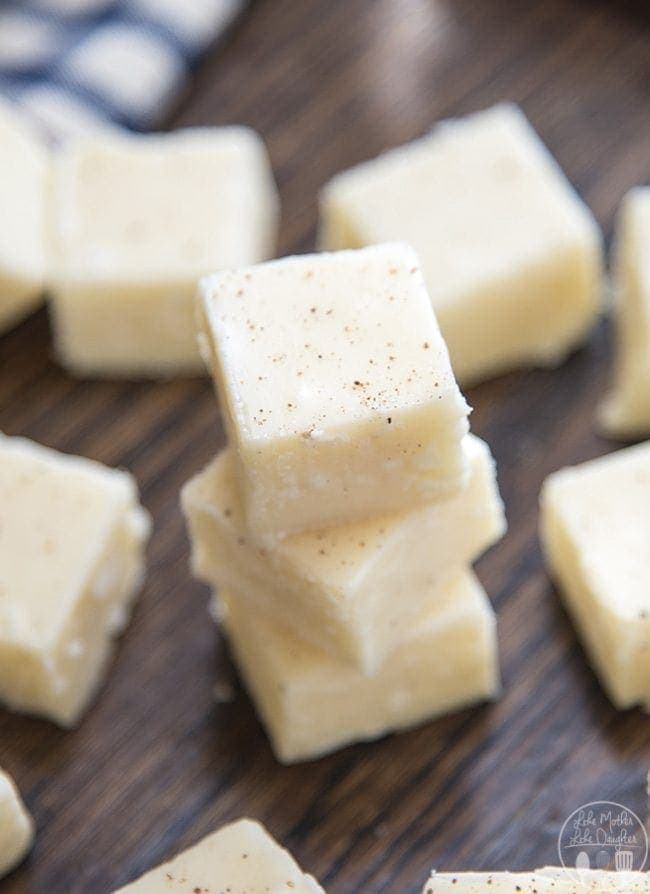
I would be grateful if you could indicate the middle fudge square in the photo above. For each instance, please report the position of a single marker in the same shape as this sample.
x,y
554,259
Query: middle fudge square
x,y
335,386
355,591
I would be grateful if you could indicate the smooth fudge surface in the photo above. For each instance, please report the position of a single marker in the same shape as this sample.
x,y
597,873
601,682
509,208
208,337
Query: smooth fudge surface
x,y
595,531
16,826
24,163
354,591
311,703
137,221
626,409
511,255
72,534
336,387
550,880
240,858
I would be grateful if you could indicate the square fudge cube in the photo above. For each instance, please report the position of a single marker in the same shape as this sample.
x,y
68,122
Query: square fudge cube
x,y
357,590
240,858
595,881
550,880
493,883
336,387
71,561
511,255
137,221
24,161
626,410
595,530
311,704
16,826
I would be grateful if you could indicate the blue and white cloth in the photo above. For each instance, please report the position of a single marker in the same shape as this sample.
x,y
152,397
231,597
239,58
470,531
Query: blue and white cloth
x,y
76,65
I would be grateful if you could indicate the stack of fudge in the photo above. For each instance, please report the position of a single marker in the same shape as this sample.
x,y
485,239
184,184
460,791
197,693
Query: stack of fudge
x,y
340,523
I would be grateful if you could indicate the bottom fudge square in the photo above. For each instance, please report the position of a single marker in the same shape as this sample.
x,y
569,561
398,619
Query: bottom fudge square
x,y
72,534
312,704
595,530
354,591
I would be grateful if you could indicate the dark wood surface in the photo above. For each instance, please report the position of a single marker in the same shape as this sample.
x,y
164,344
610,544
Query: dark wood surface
x,y
157,764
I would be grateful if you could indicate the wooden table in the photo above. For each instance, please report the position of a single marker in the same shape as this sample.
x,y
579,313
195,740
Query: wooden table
x,y
157,763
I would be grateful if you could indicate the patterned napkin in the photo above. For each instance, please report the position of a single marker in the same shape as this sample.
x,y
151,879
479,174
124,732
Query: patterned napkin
x,y
80,64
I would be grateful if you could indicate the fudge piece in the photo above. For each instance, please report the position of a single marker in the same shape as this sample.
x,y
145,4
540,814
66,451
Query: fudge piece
x,y
596,881
511,255
137,221
24,163
311,704
595,531
71,562
16,826
357,590
335,386
240,858
541,881
626,410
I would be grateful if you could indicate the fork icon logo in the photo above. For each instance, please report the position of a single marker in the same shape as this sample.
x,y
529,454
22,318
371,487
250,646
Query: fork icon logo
x,y
624,861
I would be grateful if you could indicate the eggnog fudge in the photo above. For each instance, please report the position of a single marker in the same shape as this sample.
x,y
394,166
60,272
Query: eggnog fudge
x,y
137,220
335,386
542,881
24,167
595,531
511,255
71,561
311,704
240,858
626,411
16,826
356,590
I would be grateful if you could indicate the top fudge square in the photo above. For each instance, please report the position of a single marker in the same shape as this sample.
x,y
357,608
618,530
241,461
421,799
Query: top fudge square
x,y
511,255
335,386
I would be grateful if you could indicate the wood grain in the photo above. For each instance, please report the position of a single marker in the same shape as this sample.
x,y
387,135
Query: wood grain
x,y
157,763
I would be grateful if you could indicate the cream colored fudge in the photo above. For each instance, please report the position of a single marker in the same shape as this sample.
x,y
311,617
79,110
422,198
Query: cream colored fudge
x,y
335,386
311,704
240,858
542,881
71,561
24,167
16,826
511,255
595,531
626,410
137,221
354,591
